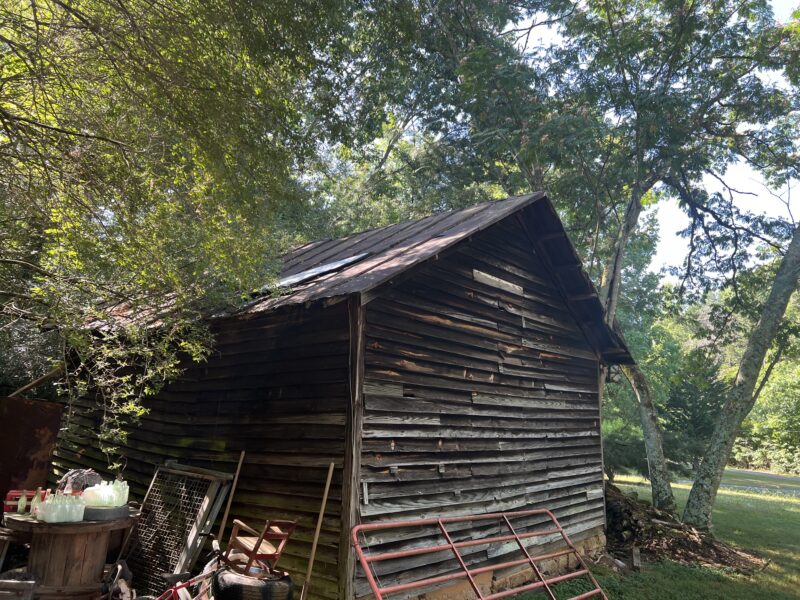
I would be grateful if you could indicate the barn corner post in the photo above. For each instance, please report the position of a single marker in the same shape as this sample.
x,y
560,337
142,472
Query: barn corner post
x,y
601,382
352,448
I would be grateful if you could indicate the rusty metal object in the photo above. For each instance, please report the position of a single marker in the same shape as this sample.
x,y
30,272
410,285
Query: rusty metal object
x,y
28,432
359,263
504,519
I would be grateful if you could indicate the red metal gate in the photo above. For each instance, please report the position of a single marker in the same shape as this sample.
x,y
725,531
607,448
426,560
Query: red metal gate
x,y
504,520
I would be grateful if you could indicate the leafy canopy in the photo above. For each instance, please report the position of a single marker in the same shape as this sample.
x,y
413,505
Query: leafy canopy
x,y
148,162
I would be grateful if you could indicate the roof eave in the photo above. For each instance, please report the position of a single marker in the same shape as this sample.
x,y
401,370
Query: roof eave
x,y
552,243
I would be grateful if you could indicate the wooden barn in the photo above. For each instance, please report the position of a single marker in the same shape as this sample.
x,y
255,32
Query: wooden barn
x,y
448,366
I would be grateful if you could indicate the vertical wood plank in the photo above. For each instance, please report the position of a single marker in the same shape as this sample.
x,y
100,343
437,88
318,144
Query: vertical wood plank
x,y
76,557
352,458
59,545
37,561
601,376
95,557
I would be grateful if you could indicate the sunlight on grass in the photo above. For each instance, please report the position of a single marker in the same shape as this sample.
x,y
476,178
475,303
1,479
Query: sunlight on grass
x,y
767,524
788,485
776,493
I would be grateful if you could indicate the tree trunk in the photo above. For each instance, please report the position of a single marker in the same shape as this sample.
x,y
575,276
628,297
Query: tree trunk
x,y
663,498
656,463
741,397
612,274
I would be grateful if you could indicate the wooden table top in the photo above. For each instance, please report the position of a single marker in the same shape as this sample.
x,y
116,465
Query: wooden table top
x,y
28,524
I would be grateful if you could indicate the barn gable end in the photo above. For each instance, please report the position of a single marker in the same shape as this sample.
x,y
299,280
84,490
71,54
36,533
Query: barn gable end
x,y
479,394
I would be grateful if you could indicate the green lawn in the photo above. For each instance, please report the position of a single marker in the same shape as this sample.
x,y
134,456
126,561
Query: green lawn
x,y
763,481
768,524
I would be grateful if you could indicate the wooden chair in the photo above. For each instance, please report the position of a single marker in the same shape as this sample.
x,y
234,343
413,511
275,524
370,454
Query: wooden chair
x,y
264,547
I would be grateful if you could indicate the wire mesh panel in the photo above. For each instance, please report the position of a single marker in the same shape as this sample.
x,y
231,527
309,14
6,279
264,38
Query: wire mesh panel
x,y
178,506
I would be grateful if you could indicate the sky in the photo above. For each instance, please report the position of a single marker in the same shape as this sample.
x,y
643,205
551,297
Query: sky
x,y
758,198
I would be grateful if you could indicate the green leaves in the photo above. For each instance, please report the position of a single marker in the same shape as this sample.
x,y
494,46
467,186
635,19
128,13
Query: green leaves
x,y
160,157
148,163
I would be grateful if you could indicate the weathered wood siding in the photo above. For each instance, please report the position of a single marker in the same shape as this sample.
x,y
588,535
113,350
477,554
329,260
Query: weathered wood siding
x,y
277,387
480,395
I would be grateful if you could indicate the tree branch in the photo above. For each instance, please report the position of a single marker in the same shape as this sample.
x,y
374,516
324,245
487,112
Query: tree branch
x,y
70,132
775,360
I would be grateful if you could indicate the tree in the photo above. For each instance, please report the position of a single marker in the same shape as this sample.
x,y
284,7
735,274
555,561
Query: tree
x,y
634,101
149,158
640,313
769,438
745,388
681,80
696,395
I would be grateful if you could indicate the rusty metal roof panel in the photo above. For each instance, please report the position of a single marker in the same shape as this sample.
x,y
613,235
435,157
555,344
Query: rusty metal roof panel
x,y
368,241
387,251
365,260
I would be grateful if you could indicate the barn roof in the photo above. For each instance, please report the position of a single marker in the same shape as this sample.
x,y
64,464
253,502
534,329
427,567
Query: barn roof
x,y
361,262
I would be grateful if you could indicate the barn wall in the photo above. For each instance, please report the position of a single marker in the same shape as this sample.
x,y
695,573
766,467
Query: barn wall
x,y
277,387
480,395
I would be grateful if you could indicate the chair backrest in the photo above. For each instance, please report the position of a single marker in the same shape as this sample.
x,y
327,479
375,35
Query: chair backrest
x,y
276,531
279,531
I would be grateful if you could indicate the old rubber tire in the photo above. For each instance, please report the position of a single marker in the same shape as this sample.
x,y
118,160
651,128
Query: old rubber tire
x,y
229,585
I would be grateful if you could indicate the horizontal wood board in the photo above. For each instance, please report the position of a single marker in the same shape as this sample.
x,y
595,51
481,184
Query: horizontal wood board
x,y
277,387
480,395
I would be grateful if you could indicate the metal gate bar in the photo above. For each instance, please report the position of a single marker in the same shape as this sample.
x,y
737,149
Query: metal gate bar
x,y
528,556
467,573
460,559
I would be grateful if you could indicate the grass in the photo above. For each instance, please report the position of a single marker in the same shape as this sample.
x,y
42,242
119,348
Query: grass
x,y
768,524
762,481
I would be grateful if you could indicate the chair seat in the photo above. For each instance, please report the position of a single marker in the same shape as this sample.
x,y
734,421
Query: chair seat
x,y
257,549
248,544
